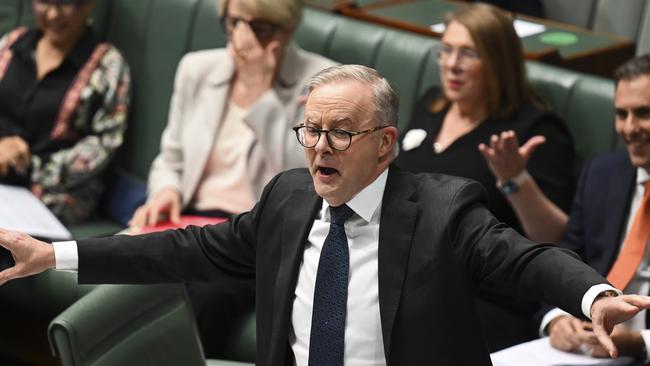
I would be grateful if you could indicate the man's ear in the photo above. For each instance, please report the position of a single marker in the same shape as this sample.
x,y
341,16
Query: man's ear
x,y
388,141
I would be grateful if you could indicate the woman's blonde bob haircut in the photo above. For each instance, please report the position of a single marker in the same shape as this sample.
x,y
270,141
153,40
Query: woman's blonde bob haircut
x,y
501,53
286,13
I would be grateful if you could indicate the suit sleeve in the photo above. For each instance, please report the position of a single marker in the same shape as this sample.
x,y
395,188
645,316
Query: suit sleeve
x,y
498,255
192,254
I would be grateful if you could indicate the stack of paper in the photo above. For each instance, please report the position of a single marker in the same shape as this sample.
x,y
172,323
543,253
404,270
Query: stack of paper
x,y
20,210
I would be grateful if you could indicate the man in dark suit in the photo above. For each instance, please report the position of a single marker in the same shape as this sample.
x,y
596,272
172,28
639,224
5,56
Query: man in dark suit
x,y
610,196
356,261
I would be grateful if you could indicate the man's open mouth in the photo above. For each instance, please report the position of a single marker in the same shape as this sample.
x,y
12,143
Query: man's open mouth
x,y
327,171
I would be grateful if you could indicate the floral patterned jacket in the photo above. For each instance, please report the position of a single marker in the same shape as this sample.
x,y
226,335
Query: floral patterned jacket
x,y
93,113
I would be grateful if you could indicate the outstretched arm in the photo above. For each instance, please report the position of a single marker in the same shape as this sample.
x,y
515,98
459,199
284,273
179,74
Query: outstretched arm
x,y
31,256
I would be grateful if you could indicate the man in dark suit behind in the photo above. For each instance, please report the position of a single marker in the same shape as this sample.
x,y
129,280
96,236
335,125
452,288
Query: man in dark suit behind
x,y
609,197
356,261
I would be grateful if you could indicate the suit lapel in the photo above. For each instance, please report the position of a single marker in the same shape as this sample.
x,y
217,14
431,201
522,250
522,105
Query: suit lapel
x,y
398,216
295,230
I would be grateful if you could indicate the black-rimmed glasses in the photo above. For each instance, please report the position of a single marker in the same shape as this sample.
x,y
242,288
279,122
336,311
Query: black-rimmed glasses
x,y
263,29
337,138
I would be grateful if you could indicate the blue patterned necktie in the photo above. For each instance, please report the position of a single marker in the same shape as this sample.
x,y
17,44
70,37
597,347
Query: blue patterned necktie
x,y
327,340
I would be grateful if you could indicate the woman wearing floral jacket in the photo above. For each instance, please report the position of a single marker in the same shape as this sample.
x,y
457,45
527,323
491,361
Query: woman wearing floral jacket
x,y
63,104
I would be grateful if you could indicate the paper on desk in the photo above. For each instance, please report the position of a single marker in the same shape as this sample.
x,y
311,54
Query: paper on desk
x,y
20,210
525,28
540,353
522,27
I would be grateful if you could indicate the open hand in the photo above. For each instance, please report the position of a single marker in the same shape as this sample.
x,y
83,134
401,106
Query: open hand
x,y
606,312
31,256
505,158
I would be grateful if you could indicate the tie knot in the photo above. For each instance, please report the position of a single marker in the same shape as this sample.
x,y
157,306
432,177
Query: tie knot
x,y
340,214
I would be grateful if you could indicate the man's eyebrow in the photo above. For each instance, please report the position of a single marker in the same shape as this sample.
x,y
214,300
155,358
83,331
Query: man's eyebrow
x,y
643,110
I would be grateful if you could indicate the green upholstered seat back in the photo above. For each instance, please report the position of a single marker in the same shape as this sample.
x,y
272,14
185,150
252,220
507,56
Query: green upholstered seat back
x,y
153,36
586,103
128,325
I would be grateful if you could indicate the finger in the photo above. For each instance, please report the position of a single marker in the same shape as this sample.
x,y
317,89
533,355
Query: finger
x,y
139,218
486,151
531,145
494,139
500,145
8,275
175,213
510,141
152,216
638,301
273,53
606,341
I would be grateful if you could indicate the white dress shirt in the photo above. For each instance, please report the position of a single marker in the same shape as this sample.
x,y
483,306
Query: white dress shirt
x,y
640,283
363,338
363,335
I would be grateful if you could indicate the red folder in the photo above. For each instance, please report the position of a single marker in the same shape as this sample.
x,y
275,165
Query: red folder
x,y
186,220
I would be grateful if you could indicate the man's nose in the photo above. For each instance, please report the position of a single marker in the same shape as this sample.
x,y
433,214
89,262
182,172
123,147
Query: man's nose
x,y
630,125
323,145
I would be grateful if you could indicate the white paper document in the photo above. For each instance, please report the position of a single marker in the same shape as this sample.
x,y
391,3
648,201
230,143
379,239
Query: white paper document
x,y
540,353
525,28
522,27
20,210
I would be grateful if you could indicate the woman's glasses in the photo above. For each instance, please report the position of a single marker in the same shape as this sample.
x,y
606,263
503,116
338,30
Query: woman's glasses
x,y
264,30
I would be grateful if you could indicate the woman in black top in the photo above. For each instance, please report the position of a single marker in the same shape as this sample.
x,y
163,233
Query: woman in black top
x,y
484,103
63,103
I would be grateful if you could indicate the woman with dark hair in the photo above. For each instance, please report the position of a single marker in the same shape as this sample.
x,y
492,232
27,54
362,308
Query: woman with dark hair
x,y
486,101
63,103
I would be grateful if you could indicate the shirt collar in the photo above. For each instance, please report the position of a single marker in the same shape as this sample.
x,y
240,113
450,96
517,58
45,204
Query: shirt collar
x,y
642,175
366,202
26,45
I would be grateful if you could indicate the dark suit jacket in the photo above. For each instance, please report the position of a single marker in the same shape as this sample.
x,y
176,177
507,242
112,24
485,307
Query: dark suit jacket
x,y
600,210
436,243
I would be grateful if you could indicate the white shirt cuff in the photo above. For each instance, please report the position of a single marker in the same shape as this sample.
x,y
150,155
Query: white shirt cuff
x,y
591,294
66,256
552,314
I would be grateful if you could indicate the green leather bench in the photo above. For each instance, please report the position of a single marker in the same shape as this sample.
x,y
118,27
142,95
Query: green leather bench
x,y
154,35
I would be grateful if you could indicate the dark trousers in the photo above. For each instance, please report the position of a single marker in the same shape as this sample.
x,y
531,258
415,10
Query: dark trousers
x,y
218,304
216,307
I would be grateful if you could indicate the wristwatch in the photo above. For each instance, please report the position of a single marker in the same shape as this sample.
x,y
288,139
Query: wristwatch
x,y
511,186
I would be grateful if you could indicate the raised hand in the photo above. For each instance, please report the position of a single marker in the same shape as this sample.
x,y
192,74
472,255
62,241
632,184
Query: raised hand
x,y
31,256
505,158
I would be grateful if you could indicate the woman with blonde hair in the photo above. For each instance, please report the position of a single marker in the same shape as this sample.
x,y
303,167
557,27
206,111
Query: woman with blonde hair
x,y
228,133
484,103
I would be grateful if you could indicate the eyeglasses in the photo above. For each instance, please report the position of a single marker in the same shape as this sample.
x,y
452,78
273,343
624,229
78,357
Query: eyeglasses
x,y
337,138
263,29
67,9
464,55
